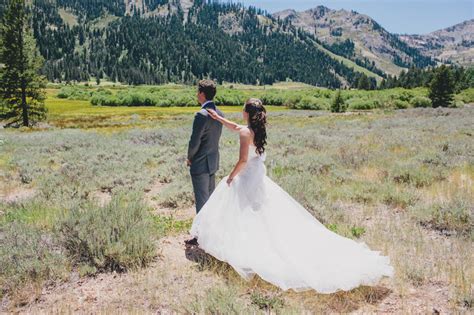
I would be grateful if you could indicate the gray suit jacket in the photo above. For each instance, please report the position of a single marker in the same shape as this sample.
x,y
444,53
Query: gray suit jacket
x,y
203,150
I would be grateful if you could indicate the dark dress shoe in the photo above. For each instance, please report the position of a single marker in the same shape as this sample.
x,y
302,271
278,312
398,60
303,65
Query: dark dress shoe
x,y
192,242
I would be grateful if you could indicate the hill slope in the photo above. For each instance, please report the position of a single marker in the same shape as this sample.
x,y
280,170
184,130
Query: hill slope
x,y
358,36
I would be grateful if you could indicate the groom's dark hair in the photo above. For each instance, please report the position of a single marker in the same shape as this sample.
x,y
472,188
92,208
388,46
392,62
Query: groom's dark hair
x,y
208,87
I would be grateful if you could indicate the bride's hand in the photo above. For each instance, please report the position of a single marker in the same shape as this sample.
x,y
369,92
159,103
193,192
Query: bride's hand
x,y
229,180
212,113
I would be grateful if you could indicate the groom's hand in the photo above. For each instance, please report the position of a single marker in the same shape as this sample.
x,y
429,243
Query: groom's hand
x,y
188,162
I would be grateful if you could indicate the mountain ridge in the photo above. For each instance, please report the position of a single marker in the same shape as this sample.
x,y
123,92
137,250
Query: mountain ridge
x,y
452,44
370,40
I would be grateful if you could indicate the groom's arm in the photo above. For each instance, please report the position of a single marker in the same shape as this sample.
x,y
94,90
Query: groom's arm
x,y
198,129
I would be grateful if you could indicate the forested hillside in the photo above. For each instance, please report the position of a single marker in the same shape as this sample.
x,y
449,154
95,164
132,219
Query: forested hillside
x,y
160,41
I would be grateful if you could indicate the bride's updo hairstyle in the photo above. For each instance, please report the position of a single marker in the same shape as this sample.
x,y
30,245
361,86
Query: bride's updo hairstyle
x,y
257,122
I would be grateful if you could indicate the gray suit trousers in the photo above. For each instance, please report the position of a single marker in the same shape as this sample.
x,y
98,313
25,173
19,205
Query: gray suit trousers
x,y
203,185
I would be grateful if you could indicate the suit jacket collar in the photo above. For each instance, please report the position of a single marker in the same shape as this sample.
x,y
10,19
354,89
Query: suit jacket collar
x,y
208,104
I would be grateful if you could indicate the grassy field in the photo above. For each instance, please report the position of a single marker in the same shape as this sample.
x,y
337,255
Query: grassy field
x,y
96,201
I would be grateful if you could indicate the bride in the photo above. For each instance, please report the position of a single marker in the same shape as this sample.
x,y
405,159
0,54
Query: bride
x,y
256,227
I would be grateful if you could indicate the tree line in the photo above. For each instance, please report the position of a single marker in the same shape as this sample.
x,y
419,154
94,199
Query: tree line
x,y
155,50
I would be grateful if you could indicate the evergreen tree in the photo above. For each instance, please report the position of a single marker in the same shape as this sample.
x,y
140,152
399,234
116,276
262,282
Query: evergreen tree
x,y
21,87
442,87
338,105
363,83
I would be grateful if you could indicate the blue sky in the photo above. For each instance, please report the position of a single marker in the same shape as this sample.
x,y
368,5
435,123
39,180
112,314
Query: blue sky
x,y
397,16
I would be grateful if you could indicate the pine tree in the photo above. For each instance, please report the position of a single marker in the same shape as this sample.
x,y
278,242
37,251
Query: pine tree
x,y
363,83
442,87
21,87
338,105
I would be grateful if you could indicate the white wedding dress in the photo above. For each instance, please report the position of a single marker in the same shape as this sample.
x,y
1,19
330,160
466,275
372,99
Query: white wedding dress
x,y
258,228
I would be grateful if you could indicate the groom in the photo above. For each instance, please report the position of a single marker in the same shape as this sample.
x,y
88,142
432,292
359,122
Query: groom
x,y
203,150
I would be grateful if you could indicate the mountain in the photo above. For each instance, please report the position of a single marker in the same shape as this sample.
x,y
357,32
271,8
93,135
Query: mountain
x,y
453,44
358,37
160,41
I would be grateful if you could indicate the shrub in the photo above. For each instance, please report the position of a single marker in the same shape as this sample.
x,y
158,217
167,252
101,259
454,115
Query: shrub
x,y
272,99
102,99
415,175
399,104
309,102
292,101
405,96
466,96
420,101
116,237
28,257
457,104
362,105
357,231
451,216
266,302
397,197
74,93
219,301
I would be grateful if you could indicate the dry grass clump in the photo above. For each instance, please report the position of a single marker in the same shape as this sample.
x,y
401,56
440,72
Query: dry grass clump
x,y
116,237
29,258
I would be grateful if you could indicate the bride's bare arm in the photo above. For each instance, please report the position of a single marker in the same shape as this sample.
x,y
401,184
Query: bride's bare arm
x,y
245,138
227,123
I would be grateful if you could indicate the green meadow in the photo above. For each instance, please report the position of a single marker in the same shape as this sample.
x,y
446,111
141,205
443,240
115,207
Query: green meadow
x,y
96,201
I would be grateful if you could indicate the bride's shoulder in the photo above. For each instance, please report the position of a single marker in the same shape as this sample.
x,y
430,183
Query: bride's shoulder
x,y
245,131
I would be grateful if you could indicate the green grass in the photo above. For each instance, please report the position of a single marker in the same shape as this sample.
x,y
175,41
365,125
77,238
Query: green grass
x,y
350,64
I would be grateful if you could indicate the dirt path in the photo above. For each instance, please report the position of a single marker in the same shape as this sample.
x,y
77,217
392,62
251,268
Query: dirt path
x,y
16,194
167,286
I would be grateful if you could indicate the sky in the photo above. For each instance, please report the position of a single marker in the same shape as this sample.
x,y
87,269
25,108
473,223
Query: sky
x,y
397,16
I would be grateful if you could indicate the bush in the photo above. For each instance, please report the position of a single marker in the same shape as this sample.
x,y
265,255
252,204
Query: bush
x,y
266,302
74,93
466,96
102,99
309,102
399,104
405,96
420,101
452,216
272,99
412,174
362,105
457,104
219,301
116,237
28,257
